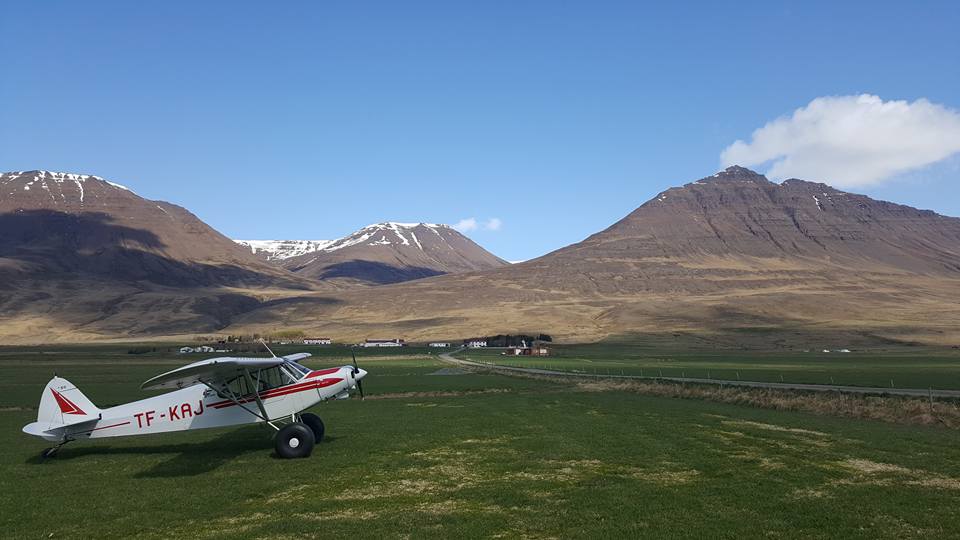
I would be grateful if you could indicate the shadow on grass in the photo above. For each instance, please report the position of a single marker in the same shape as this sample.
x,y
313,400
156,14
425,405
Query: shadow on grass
x,y
189,459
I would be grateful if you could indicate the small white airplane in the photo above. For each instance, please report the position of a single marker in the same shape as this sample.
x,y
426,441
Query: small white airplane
x,y
211,393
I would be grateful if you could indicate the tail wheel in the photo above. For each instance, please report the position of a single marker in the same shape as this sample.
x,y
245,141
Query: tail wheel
x,y
315,424
294,441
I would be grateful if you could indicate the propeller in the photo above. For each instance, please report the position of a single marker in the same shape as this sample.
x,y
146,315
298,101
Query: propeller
x,y
356,370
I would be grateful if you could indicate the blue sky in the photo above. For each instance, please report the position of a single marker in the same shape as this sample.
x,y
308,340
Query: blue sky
x,y
311,119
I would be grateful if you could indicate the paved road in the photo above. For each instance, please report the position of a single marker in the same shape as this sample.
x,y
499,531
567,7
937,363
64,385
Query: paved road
x,y
915,392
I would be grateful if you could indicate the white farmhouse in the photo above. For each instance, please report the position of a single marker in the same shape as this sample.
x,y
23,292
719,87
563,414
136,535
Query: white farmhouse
x,y
383,343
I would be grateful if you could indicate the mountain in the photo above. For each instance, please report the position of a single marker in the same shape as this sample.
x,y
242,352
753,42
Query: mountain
x,y
677,240
72,225
279,250
732,256
85,258
729,260
392,252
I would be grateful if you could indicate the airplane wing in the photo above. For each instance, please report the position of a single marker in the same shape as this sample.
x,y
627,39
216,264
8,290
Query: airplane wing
x,y
214,369
296,357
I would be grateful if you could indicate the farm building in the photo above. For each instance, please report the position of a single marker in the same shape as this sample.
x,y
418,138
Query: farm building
x,y
383,343
317,341
514,340
439,344
475,343
536,350
201,348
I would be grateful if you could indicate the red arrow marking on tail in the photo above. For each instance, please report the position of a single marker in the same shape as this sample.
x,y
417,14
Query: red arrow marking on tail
x,y
66,406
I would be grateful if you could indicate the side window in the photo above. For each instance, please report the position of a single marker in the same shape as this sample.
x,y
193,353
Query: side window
x,y
265,379
272,378
238,386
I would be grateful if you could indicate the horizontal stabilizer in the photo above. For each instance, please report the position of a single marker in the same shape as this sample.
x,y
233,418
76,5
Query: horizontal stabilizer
x,y
55,431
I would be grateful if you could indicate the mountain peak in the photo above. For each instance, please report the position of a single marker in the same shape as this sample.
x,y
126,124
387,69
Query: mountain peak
x,y
735,173
392,251
278,250
381,234
393,225
738,212
59,189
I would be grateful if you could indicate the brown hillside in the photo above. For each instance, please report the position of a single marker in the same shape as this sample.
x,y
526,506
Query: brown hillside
x,y
731,254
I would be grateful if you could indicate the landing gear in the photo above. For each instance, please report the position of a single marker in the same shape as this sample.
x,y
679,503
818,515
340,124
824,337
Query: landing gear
x,y
315,424
294,441
52,451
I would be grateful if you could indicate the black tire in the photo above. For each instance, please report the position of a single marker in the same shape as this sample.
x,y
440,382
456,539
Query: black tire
x,y
315,424
49,452
294,441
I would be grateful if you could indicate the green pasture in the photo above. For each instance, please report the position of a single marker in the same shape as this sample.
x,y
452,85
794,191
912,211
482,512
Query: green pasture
x,y
901,367
436,454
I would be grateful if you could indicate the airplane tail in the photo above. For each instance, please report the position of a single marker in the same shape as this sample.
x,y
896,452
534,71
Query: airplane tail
x,y
62,404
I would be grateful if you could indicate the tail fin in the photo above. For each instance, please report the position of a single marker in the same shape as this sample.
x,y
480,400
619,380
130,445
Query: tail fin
x,y
63,403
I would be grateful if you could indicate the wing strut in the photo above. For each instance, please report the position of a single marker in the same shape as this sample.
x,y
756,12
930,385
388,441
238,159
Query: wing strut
x,y
236,400
256,394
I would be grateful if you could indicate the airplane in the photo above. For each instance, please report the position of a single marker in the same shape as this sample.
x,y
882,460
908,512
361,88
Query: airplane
x,y
210,393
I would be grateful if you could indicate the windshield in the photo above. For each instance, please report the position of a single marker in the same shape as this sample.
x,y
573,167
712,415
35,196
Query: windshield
x,y
297,369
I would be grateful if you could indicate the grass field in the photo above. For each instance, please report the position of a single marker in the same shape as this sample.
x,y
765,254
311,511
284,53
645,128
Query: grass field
x,y
903,367
473,455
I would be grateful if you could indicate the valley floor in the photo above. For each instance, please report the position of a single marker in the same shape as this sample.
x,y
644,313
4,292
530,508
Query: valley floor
x,y
438,452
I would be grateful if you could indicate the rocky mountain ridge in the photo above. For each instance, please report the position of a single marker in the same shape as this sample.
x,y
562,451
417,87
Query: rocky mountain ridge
x,y
279,250
391,252
732,254
726,258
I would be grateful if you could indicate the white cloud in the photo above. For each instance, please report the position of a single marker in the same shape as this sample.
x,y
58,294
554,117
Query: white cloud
x,y
471,224
851,141
466,225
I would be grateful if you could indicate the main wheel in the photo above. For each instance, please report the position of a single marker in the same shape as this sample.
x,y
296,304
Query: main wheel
x,y
294,441
315,424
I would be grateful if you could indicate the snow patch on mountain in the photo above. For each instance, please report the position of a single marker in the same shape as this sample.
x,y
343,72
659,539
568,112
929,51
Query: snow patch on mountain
x,y
377,234
278,250
383,234
47,180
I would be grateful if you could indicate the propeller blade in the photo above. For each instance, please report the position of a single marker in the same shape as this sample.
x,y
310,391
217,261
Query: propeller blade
x,y
356,370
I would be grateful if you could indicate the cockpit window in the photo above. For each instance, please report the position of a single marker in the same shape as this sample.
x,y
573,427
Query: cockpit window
x,y
297,369
272,378
263,379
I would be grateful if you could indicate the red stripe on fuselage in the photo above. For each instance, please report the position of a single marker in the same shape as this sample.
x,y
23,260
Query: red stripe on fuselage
x,y
282,391
105,427
327,371
273,392
266,394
